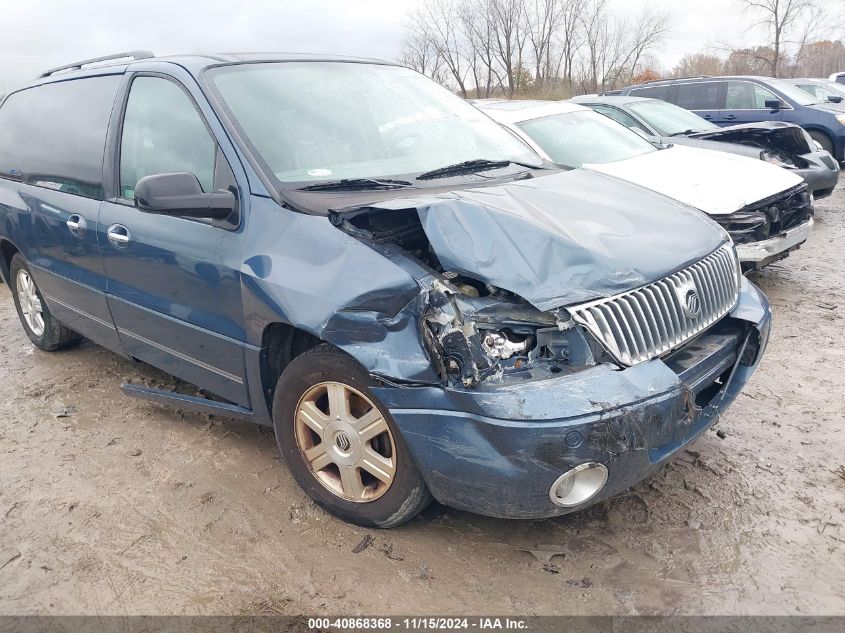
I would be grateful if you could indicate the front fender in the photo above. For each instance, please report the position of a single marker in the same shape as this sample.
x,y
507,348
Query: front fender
x,y
306,273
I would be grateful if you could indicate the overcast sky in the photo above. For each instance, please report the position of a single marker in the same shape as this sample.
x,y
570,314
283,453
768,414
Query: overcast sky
x,y
38,34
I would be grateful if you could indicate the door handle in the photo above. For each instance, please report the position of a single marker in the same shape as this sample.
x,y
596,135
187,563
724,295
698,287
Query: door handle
x,y
707,116
730,117
77,225
119,236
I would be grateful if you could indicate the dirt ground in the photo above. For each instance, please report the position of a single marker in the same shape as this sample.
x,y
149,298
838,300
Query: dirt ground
x,y
115,506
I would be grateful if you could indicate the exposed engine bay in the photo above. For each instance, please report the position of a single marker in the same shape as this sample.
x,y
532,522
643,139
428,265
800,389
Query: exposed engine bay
x,y
475,331
781,143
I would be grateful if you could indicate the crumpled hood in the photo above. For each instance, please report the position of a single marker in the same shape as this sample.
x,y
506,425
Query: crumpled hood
x,y
716,144
561,239
773,135
717,183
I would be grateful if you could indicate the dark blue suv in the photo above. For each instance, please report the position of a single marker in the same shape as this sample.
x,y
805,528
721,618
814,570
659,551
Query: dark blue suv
x,y
349,253
734,100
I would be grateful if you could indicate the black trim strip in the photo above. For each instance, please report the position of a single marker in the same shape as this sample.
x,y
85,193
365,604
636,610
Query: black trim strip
x,y
182,356
52,299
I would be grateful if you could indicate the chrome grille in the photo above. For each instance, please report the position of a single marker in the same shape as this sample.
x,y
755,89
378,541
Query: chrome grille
x,y
641,324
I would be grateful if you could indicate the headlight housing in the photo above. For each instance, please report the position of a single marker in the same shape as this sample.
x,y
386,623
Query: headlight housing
x,y
745,226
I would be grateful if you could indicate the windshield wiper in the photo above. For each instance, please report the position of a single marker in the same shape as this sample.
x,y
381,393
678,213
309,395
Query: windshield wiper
x,y
685,132
470,166
352,184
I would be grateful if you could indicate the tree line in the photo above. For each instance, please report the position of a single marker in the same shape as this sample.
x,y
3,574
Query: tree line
x,y
558,48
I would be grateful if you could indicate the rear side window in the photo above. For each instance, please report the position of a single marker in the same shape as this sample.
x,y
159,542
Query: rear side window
x,y
744,95
655,92
620,117
706,95
54,135
163,133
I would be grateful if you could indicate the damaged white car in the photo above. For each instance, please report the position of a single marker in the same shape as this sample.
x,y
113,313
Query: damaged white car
x,y
767,210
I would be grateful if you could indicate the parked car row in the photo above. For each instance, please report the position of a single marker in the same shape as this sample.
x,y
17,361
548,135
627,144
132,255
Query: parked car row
x,y
416,301
734,100
766,210
783,144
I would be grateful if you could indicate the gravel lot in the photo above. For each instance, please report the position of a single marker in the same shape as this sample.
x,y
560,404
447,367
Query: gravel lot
x,y
114,506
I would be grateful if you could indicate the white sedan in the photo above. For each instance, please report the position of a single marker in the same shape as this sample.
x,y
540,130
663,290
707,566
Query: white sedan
x,y
766,210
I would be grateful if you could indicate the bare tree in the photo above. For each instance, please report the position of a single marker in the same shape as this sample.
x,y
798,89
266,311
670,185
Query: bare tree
x,y
593,24
419,53
543,18
570,38
478,27
616,46
815,22
749,61
522,47
820,59
509,35
649,28
437,22
780,18
696,64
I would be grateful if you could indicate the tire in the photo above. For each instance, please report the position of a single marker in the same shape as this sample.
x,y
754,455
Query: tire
x,y
50,337
822,139
308,382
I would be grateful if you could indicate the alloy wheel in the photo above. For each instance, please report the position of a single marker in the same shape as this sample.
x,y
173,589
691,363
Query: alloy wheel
x,y
30,303
346,442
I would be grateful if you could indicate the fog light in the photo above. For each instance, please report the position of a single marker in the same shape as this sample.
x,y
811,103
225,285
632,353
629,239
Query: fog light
x,y
578,485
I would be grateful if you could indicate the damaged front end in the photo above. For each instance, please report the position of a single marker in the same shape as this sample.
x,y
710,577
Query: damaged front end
x,y
785,145
474,338
567,344
769,230
472,330
499,266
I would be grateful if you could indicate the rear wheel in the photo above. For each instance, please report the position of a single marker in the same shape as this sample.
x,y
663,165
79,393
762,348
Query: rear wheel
x,y
342,445
40,325
822,139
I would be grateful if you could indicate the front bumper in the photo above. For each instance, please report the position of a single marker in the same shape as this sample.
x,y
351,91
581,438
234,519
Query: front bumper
x,y
759,254
821,175
497,450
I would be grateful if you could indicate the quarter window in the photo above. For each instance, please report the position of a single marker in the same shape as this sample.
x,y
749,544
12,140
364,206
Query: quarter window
x,y
653,92
54,135
705,95
163,133
814,90
744,95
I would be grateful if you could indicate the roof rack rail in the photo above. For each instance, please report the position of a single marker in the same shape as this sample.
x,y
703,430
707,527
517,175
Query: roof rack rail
x,y
674,79
78,65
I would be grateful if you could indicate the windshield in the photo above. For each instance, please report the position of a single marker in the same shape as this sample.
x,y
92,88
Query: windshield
x,y
835,88
793,92
572,139
670,119
329,121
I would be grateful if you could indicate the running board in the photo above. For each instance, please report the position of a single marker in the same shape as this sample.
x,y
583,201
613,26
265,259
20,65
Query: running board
x,y
188,403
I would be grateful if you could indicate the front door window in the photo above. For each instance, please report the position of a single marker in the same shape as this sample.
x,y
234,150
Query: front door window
x,y
163,133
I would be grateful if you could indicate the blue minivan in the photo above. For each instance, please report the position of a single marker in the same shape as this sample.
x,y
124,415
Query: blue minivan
x,y
347,252
734,100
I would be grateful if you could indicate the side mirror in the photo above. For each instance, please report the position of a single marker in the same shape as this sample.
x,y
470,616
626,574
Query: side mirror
x,y
834,98
181,195
773,104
